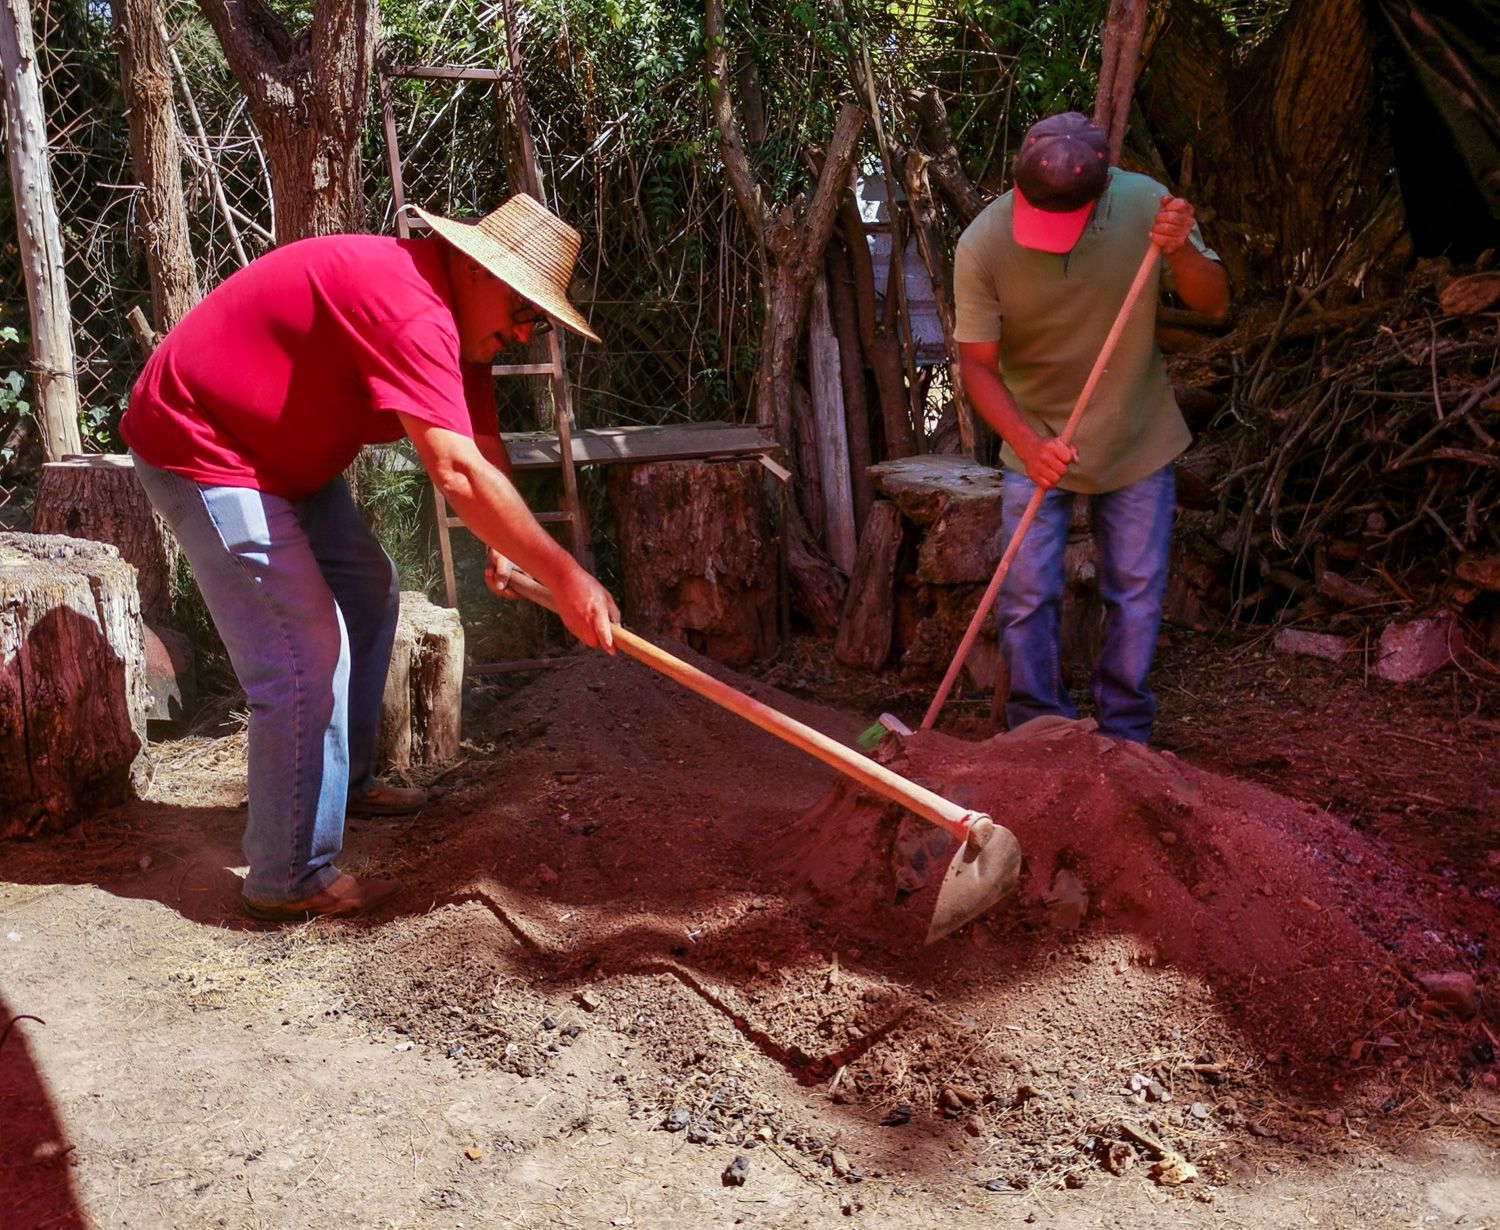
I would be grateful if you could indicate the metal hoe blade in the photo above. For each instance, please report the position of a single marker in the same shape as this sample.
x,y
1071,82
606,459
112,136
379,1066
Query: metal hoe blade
x,y
977,878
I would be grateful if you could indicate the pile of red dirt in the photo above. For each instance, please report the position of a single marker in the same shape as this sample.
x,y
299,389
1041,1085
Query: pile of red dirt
x,y
1275,903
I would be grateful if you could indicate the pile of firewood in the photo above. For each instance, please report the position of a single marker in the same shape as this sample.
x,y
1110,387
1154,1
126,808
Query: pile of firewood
x,y
1348,455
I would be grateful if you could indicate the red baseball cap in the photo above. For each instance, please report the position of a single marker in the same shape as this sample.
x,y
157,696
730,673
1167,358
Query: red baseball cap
x,y
1060,171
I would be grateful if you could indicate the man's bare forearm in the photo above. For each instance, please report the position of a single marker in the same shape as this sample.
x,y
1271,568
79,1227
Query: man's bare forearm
x,y
1201,283
488,502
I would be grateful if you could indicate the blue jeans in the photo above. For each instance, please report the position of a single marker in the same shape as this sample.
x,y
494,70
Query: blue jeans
x,y
306,602
1133,537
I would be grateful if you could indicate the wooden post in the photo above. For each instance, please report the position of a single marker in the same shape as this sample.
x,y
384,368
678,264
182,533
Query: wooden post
x,y
52,363
833,440
869,619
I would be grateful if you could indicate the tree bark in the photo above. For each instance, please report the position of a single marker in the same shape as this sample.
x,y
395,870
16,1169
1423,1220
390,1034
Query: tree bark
x,y
421,711
697,556
869,616
73,696
156,155
308,97
1120,60
53,365
1288,152
944,164
98,498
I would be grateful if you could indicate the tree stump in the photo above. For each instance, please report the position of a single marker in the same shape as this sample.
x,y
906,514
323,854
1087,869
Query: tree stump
x,y
697,556
73,695
864,638
98,498
421,711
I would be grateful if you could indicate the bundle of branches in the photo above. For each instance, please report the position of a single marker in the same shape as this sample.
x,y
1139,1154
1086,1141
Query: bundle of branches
x,y
1352,452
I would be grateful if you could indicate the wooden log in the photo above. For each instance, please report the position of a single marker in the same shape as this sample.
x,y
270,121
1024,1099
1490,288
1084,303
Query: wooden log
x,y
828,419
38,235
809,468
437,679
393,743
73,695
697,555
421,710
865,631
97,497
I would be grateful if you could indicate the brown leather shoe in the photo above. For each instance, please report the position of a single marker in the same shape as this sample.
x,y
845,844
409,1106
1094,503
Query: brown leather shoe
x,y
345,897
388,800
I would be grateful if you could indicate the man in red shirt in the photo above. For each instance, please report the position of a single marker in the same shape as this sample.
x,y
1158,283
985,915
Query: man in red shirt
x,y
241,425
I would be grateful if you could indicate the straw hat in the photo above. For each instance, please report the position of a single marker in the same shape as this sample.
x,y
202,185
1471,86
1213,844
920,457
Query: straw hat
x,y
526,246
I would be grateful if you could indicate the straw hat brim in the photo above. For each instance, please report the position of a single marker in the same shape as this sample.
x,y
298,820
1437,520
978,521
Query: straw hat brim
x,y
511,269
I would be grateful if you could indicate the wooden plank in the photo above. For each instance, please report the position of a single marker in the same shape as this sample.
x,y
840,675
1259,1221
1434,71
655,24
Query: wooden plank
x,y
828,417
449,74
537,450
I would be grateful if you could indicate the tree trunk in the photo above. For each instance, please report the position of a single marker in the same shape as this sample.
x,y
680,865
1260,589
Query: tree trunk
x,y
1287,147
869,616
308,97
421,710
156,154
53,366
1120,60
98,498
73,695
697,556
809,485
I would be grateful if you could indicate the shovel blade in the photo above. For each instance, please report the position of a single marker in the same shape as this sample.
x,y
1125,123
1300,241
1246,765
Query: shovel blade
x,y
975,881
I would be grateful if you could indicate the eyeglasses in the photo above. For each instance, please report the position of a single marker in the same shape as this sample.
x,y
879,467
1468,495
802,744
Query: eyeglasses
x,y
529,314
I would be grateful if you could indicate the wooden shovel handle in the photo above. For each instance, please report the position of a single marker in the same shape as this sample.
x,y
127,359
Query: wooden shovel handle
x,y
1033,506
971,826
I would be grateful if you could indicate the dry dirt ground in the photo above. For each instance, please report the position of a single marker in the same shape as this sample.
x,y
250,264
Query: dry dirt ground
x,y
640,940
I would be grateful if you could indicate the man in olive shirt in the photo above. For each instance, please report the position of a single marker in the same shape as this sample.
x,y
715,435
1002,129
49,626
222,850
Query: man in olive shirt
x,y
1038,279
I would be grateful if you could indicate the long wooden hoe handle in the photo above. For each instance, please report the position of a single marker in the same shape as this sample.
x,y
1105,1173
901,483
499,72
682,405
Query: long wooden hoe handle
x,y
971,826
1106,352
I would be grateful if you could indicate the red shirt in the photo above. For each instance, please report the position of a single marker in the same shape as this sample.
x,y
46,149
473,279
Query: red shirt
x,y
278,377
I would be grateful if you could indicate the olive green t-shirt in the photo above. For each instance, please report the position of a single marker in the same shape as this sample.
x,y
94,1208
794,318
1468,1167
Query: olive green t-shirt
x,y
1051,315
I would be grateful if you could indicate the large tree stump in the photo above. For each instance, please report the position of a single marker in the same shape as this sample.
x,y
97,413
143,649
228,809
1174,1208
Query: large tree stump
x,y
73,695
97,497
864,638
697,556
421,711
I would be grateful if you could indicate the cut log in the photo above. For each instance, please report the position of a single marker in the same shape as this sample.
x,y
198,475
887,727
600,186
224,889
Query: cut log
x,y
422,709
393,743
697,555
865,631
98,498
73,695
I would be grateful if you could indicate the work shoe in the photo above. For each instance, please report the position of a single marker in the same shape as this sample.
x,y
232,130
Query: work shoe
x,y
345,897
388,800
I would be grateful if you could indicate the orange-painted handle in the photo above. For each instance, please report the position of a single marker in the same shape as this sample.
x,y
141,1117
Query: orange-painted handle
x,y
966,825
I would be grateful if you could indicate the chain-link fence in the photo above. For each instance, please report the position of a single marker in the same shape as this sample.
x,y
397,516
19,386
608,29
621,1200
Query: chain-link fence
x,y
626,147
225,188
